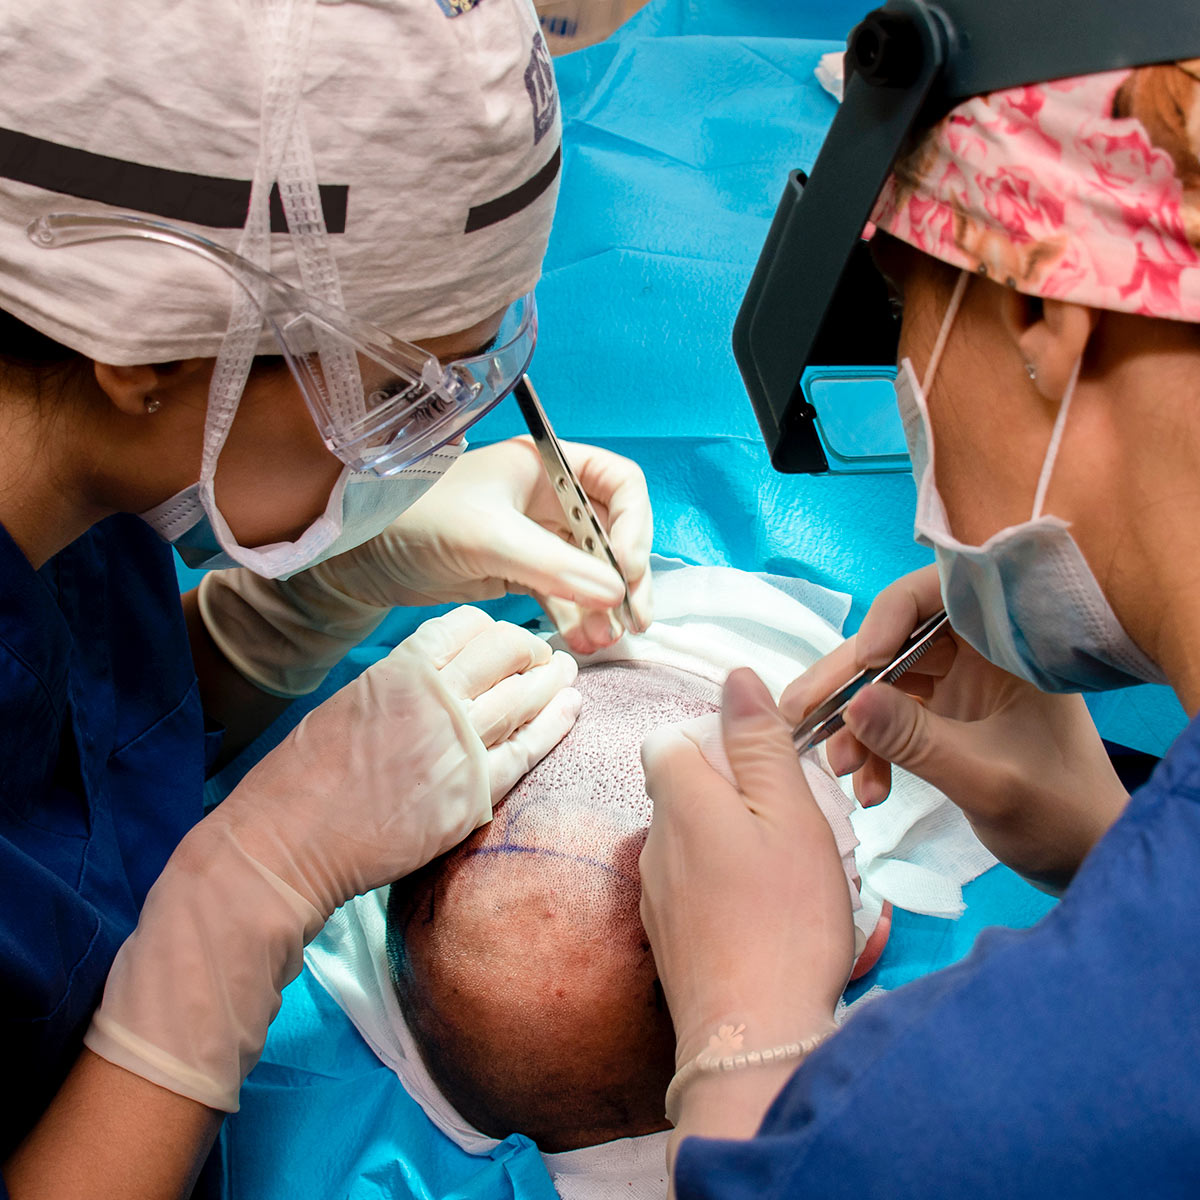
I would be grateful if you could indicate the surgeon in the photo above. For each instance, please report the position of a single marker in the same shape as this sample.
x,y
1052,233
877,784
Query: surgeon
x,y
264,263
1039,223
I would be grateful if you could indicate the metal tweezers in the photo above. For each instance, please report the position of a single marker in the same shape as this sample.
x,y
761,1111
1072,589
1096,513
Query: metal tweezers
x,y
586,530
828,717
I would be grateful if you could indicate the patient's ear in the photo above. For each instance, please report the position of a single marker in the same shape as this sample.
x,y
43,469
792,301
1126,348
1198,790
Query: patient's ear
x,y
141,390
1051,336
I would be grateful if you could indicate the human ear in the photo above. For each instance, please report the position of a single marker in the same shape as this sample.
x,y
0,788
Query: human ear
x,y
141,390
1050,335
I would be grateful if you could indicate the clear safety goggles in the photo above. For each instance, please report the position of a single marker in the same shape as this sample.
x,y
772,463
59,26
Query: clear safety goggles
x,y
410,404
816,335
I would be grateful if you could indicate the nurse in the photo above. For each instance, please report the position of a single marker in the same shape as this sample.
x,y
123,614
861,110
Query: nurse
x,y
1043,239
263,265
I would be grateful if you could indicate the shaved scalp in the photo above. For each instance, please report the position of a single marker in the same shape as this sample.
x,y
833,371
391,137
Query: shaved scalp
x,y
519,959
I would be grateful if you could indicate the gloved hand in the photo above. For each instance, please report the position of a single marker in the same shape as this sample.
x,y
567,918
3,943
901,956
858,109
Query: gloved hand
x,y
491,525
1027,768
394,769
744,898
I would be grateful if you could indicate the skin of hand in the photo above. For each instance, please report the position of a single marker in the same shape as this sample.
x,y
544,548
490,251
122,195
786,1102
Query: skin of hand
x,y
493,525
1027,768
109,1133
745,904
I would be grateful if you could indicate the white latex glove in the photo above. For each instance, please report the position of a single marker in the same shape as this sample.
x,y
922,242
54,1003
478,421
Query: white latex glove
x,y
744,898
393,770
490,526
1028,769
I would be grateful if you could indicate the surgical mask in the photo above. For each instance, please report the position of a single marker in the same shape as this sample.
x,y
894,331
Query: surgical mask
x,y
361,505
381,404
1026,598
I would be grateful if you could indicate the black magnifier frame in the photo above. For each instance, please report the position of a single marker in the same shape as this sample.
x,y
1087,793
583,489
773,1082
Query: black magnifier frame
x,y
815,298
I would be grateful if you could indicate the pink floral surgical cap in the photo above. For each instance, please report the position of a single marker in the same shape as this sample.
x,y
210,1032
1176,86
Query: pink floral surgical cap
x,y
1082,189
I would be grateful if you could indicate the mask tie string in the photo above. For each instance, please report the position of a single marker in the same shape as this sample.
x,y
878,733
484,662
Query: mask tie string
x,y
1056,436
939,345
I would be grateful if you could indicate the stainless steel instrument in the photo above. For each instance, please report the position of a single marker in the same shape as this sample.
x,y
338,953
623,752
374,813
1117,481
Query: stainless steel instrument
x,y
586,530
828,717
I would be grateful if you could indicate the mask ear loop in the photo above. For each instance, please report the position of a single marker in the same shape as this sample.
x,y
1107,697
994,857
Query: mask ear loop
x,y
935,358
1056,436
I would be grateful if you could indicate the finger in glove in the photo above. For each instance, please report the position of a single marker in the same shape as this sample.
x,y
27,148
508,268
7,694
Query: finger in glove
x,y
571,621
518,699
493,656
441,638
510,759
618,486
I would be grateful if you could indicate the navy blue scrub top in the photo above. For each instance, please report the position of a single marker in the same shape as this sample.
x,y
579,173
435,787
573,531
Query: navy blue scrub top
x,y
103,755
1061,1061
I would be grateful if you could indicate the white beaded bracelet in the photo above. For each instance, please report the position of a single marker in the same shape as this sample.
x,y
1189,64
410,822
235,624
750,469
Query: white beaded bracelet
x,y
729,1038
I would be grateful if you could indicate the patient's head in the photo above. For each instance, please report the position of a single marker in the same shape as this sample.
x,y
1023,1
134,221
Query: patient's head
x,y
519,959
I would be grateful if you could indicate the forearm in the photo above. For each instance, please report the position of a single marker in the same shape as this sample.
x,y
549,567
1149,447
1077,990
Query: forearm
x,y
1046,838
732,1103
184,1014
727,1105
229,698
111,1133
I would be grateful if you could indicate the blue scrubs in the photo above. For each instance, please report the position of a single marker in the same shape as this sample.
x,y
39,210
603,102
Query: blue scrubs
x,y
1058,1061
103,755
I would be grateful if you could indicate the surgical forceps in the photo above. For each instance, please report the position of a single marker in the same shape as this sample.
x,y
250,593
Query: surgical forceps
x,y
585,526
828,717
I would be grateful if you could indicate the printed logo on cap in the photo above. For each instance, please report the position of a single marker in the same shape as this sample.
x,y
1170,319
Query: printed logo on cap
x,y
539,83
456,8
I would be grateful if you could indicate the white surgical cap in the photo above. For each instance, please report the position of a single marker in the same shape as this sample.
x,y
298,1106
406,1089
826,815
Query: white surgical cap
x,y
434,127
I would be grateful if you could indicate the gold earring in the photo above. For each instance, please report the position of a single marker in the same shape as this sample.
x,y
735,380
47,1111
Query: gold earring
x,y
152,406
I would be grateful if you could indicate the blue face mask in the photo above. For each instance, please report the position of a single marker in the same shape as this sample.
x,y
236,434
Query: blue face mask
x,y
361,505
1026,599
